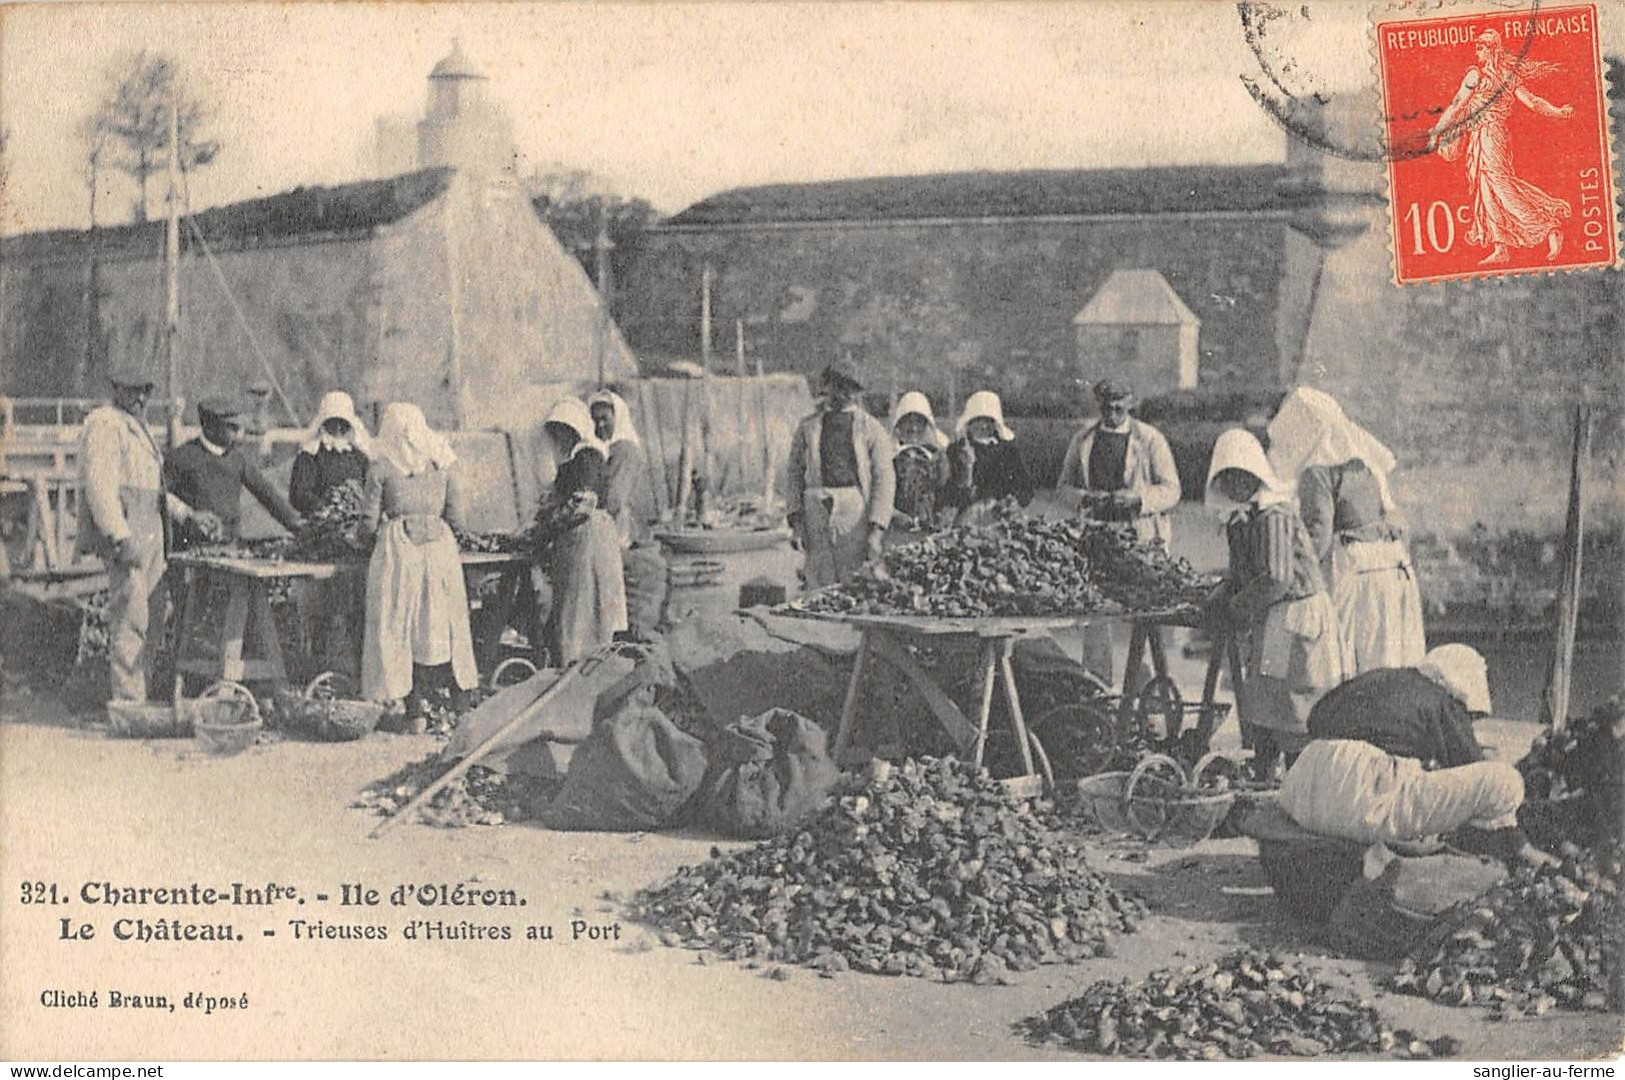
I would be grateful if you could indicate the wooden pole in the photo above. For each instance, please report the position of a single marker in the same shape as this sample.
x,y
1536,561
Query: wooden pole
x,y
705,317
1559,684
172,266
706,277
743,416
601,246
472,758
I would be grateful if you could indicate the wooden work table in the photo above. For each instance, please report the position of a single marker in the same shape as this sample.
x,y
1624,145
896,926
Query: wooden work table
x,y
248,582
995,637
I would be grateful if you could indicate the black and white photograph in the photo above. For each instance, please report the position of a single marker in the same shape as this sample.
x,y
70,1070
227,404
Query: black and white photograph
x,y
1076,532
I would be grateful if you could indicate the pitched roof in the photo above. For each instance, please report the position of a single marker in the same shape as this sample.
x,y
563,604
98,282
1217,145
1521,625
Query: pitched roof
x,y
303,212
1136,297
1034,193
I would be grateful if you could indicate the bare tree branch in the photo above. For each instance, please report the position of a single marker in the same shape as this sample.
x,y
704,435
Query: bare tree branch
x,y
129,128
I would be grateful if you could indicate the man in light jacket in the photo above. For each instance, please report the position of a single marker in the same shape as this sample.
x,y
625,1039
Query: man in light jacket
x,y
841,482
1121,469
122,520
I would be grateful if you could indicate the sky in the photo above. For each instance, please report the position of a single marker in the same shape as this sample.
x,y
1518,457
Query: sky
x,y
670,102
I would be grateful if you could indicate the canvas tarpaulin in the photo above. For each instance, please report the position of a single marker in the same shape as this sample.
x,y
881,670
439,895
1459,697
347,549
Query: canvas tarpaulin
x,y
749,421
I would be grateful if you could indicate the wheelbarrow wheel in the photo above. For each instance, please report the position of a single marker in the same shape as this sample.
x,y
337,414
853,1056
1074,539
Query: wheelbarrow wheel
x,y
1081,738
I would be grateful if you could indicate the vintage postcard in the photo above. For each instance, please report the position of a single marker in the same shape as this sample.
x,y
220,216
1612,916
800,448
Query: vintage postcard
x,y
1069,531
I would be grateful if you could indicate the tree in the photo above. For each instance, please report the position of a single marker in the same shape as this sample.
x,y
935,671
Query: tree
x,y
129,128
575,204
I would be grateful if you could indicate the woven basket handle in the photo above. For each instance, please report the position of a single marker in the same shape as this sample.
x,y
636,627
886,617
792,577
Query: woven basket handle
x,y
226,688
325,679
1146,764
511,662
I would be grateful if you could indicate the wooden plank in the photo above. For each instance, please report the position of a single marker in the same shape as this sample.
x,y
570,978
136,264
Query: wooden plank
x,y
474,755
1012,701
849,706
1024,787
990,626
943,707
245,567
234,630
265,631
984,708
1131,666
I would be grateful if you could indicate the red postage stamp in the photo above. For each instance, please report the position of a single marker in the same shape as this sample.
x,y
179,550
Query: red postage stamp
x,y
1497,134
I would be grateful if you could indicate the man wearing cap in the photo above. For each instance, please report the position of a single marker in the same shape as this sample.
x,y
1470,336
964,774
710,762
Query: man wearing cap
x,y
209,473
122,520
1120,468
841,481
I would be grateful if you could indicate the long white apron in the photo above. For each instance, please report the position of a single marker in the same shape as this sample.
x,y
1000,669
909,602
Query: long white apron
x,y
1379,607
417,613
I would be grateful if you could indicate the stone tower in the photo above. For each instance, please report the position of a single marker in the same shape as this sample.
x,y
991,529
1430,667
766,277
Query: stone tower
x,y
462,126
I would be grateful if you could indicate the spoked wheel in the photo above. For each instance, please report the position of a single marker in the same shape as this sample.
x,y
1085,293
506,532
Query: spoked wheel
x,y
1160,711
1081,738
515,669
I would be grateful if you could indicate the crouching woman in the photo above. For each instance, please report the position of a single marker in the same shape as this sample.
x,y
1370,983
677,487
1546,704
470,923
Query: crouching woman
x,y
1394,759
417,604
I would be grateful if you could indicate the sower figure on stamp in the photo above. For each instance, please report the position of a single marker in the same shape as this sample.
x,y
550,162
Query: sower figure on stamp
x,y
1506,212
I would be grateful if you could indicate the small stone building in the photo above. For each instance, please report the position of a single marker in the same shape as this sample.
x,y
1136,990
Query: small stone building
x,y
1136,328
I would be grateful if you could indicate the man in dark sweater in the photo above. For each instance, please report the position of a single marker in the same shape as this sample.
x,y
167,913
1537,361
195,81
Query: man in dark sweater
x,y
209,474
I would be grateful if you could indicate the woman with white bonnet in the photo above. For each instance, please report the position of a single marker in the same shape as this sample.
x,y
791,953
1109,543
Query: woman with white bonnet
x,y
1274,600
584,565
1341,474
336,450
1394,759
986,464
921,465
417,604
628,496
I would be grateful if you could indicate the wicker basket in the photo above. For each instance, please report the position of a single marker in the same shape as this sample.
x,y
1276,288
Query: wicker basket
x,y
323,716
225,718
1155,801
145,720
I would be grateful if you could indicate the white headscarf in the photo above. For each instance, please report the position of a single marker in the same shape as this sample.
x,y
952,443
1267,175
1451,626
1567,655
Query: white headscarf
x,y
405,438
1239,448
984,403
621,427
572,412
915,403
336,405
1462,671
1310,428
